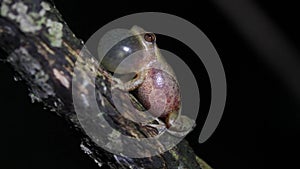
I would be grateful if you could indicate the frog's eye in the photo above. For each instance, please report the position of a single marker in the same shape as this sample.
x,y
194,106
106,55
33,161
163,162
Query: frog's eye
x,y
150,37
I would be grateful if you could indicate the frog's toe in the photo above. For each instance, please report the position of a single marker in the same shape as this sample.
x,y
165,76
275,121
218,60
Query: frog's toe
x,y
158,125
182,126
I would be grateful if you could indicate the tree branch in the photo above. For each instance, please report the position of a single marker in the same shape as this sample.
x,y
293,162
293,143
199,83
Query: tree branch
x,y
43,50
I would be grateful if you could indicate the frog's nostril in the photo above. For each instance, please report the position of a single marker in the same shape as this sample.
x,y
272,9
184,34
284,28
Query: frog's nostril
x,y
149,37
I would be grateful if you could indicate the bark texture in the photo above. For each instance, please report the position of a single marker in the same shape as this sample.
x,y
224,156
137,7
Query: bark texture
x,y
43,51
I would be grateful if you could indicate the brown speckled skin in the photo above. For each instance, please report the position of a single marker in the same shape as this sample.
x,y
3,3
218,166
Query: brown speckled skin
x,y
160,93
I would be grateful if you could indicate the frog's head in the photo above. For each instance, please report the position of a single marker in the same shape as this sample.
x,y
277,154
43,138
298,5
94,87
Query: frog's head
x,y
147,39
132,53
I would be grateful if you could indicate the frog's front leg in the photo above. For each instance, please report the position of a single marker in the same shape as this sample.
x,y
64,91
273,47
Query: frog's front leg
x,y
131,84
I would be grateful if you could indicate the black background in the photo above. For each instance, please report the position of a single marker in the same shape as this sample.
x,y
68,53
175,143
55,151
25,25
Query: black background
x,y
261,118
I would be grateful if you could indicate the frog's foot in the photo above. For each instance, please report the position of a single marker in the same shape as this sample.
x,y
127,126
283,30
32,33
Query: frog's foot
x,y
157,124
182,126
178,133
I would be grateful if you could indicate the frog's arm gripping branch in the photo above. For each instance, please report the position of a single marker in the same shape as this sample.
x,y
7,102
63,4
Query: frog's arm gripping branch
x,y
43,50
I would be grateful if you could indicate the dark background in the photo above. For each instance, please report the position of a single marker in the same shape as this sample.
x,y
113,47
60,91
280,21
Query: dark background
x,y
260,124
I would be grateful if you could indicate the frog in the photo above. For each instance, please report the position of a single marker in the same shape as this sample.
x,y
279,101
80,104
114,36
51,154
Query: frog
x,y
155,83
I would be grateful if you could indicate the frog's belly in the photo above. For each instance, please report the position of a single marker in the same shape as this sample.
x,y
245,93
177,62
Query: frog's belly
x,y
159,93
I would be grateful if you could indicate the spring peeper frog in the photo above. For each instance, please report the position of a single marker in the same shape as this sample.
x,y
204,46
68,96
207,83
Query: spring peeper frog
x,y
154,83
